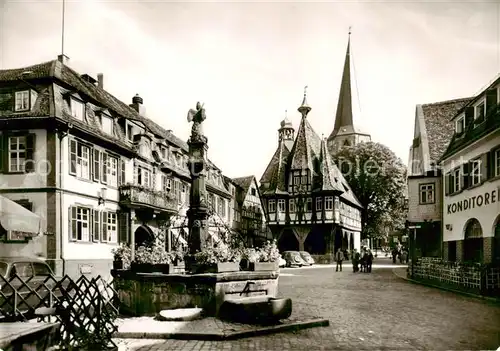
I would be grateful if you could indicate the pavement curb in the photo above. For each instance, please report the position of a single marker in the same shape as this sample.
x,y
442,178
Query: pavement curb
x,y
313,323
487,298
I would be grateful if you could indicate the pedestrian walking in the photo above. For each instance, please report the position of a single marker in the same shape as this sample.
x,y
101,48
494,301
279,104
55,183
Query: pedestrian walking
x,y
355,261
369,260
339,257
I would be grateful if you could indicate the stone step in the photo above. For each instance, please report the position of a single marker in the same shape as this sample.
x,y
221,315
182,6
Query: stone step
x,y
180,314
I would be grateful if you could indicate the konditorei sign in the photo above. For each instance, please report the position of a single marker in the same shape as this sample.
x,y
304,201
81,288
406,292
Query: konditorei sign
x,y
472,202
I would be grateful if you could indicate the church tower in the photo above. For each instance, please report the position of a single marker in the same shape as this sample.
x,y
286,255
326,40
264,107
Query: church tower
x,y
344,132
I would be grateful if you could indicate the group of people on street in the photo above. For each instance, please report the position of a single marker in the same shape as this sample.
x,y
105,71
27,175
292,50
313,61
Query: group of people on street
x,y
401,253
360,260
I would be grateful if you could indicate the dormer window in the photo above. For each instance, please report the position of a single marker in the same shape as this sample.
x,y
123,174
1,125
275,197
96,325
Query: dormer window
x,y
77,109
460,126
130,132
107,124
22,100
479,112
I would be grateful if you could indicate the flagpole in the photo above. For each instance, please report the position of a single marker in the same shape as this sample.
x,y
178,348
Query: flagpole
x,y
62,31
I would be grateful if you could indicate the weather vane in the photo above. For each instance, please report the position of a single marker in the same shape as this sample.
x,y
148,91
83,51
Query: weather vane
x,y
305,90
350,30
286,113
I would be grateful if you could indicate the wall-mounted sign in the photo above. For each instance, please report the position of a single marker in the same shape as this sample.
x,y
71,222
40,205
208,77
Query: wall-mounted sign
x,y
85,269
472,202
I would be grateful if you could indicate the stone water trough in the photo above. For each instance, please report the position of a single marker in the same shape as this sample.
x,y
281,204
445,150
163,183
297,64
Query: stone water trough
x,y
245,296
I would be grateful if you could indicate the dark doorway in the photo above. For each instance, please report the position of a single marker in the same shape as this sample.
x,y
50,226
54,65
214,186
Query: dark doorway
x,y
315,242
288,241
144,237
473,243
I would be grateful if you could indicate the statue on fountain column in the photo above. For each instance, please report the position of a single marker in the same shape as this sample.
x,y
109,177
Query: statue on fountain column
x,y
197,116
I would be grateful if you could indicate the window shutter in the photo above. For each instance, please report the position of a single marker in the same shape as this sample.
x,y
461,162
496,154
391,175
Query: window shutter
x,y
466,176
484,167
447,183
123,227
72,157
104,235
71,223
469,116
104,175
490,158
30,150
491,99
97,229
97,165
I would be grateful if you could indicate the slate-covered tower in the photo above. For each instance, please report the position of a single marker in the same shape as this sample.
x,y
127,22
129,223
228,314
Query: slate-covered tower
x,y
344,132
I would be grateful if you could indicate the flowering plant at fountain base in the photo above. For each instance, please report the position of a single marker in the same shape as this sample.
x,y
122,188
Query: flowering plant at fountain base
x,y
155,254
269,252
219,253
122,254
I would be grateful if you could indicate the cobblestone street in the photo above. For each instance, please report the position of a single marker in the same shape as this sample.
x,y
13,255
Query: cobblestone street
x,y
367,311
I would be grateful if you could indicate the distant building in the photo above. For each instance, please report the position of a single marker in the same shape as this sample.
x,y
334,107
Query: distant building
x,y
433,131
96,170
249,219
471,173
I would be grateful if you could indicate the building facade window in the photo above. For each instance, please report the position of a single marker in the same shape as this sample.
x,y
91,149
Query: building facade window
x,y
281,205
167,183
480,111
107,124
291,205
80,224
475,172
271,206
79,160
460,125
143,177
497,162
309,206
455,180
17,153
111,221
22,102
77,109
329,203
112,171
427,194
253,192
319,204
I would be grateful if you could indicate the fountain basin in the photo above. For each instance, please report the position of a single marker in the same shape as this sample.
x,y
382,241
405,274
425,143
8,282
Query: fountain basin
x,y
256,309
146,294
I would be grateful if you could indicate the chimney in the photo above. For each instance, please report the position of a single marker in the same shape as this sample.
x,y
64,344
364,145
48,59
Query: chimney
x,y
137,104
63,59
100,80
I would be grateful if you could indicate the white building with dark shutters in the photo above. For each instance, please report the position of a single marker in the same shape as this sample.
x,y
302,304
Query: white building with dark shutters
x,y
96,170
471,192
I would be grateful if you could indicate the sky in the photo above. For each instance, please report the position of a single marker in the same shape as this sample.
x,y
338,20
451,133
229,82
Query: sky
x,y
248,62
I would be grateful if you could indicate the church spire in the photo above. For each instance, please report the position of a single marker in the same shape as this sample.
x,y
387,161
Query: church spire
x,y
344,105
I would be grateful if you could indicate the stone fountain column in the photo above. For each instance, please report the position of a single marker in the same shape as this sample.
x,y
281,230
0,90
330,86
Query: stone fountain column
x,y
198,210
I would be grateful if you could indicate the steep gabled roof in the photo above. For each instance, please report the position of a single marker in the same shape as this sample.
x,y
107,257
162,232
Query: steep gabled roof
x,y
244,182
276,167
307,146
438,124
328,170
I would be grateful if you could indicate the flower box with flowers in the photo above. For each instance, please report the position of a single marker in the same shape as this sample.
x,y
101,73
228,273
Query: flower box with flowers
x,y
153,260
266,258
121,257
217,259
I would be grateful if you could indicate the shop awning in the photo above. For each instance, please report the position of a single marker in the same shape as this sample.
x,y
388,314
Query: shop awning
x,y
16,218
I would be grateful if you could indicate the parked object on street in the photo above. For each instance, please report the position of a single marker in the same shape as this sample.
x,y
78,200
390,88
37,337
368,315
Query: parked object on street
x,y
21,273
293,259
306,256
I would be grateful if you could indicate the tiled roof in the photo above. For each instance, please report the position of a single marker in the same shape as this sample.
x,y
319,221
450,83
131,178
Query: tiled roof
x,y
307,147
67,75
438,124
243,182
328,170
280,156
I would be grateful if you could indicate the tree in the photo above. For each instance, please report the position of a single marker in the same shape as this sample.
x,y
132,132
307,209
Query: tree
x,y
378,179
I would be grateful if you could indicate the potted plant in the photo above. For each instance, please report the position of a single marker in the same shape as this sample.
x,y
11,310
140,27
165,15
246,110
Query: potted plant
x,y
249,255
121,257
216,259
268,259
153,259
